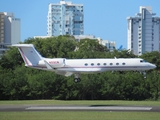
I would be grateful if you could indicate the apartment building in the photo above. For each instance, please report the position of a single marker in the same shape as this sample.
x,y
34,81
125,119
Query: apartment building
x,y
144,31
65,18
9,30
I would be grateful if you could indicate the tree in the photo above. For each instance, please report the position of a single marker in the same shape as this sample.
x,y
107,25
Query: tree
x,y
88,48
11,59
19,82
152,57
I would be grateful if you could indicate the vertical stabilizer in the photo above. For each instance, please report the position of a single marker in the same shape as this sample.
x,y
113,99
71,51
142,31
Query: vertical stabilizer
x,y
29,54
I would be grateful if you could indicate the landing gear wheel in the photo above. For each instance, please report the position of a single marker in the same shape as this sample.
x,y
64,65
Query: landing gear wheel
x,y
144,74
76,80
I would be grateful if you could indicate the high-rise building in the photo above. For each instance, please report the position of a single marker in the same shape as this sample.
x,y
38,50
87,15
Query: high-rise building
x,y
9,30
144,31
65,18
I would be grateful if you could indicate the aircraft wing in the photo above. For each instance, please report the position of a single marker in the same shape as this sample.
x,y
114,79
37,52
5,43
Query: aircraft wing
x,y
64,73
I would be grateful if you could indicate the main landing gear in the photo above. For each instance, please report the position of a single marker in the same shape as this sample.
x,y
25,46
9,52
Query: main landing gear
x,y
77,78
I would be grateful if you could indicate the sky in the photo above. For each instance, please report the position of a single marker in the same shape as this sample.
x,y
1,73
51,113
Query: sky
x,y
106,19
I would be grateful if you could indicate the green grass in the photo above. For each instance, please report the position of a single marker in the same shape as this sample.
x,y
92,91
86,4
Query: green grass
x,y
80,102
79,115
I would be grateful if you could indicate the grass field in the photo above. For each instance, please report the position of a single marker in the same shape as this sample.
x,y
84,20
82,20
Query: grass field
x,y
80,102
80,115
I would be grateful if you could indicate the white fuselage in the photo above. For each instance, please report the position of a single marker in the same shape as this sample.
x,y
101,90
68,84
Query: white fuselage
x,y
97,65
67,67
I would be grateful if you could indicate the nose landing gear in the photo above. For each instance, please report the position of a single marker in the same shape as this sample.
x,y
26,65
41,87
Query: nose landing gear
x,y
144,74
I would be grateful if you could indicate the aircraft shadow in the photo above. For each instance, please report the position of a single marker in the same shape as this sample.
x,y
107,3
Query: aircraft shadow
x,y
103,105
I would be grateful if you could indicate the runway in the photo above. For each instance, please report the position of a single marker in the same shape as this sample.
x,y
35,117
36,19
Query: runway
x,y
12,108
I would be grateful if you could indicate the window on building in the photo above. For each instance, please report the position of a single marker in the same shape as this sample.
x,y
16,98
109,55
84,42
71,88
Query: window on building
x,y
117,63
111,63
92,64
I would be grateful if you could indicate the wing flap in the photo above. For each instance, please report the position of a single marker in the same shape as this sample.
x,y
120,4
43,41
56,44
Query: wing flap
x,y
64,73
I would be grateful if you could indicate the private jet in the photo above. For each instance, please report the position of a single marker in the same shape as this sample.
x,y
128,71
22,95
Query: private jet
x,y
67,67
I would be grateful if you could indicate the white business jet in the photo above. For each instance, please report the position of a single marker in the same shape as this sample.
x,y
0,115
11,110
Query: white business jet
x,y
67,67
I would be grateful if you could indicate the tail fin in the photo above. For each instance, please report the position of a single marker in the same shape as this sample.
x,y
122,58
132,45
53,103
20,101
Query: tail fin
x,y
29,54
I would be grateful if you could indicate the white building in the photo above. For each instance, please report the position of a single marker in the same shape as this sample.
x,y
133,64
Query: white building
x,y
65,18
41,37
9,30
144,31
111,45
79,37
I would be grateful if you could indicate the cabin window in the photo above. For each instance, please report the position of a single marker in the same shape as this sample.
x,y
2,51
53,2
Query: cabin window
x,y
111,63
123,63
117,63
92,64
104,63
98,63
142,61
86,64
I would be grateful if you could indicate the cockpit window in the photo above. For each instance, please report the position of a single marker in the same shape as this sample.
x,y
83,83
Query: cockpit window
x,y
142,61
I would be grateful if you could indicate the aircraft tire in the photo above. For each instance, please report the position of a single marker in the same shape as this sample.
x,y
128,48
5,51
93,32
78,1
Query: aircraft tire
x,y
76,80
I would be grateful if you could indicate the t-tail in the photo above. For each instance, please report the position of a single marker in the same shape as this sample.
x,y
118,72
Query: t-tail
x,y
29,54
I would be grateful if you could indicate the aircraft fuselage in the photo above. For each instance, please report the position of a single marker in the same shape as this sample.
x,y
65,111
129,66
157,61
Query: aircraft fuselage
x,y
97,65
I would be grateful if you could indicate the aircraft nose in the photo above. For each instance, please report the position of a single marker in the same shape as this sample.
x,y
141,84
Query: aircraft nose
x,y
153,66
